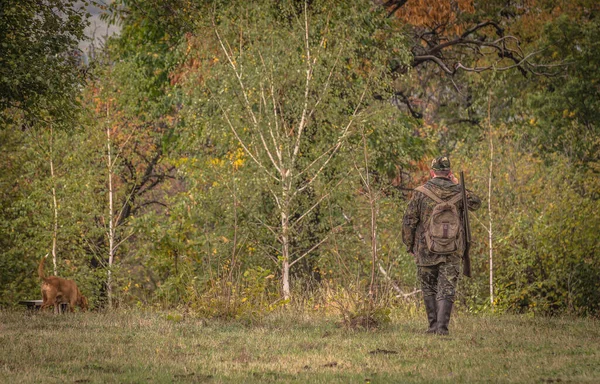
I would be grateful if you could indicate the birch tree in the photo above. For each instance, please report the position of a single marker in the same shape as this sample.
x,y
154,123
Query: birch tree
x,y
111,211
292,83
490,222
54,201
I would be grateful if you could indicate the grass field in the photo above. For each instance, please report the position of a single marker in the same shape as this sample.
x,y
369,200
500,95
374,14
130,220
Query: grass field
x,y
134,347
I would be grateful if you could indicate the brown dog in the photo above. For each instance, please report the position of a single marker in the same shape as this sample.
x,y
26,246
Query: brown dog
x,y
56,291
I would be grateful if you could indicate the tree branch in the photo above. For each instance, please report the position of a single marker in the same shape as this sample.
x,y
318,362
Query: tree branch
x,y
238,75
261,165
309,70
404,100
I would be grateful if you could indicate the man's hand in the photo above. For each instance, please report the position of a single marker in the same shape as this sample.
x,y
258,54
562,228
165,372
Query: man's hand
x,y
453,178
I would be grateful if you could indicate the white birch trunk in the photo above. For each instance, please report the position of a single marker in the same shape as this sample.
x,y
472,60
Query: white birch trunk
x,y
373,206
54,202
373,241
111,229
490,231
285,241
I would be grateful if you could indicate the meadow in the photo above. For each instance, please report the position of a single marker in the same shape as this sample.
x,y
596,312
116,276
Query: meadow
x,y
126,346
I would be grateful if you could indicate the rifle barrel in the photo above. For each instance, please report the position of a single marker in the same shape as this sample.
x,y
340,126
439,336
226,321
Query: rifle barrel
x,y
466,256
465,207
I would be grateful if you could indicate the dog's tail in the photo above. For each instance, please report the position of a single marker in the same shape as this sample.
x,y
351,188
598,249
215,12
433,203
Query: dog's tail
x,y
41,268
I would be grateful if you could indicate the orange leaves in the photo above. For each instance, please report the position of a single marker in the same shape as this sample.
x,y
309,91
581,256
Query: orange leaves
x,y
200,57
433,14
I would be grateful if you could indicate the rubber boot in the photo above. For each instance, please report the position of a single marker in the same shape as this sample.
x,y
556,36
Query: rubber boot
x,y
431,309
444,309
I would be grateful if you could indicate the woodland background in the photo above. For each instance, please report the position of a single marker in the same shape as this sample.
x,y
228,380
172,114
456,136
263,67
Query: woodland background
x,y
229,157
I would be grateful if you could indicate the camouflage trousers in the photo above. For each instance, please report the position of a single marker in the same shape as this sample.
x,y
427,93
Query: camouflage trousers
x,y
440,280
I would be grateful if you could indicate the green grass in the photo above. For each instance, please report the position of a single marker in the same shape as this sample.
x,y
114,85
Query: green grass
x,y
133,347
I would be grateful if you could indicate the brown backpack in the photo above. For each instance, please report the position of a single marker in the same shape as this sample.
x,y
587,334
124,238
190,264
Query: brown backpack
x,y
443,231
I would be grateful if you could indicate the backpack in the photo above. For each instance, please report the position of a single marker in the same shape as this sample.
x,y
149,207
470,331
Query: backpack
x,y
443,231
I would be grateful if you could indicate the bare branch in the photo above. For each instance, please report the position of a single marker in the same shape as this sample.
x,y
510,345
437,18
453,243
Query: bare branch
x,y
414,113
123,240
423,58
397,5
277,201
246,101
275,115
499,30
309,70
327,82
388,278
338,144
315,205
309,251
481,69
464,41
407,295
226,115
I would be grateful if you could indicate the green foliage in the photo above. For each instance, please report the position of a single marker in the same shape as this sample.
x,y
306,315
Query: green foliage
x,y
550,264
250,299
543,247
27,209
40,64
567,108
266,44
200,201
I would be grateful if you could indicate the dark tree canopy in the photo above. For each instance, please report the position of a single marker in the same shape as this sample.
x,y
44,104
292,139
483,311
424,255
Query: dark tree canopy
x,y
40,72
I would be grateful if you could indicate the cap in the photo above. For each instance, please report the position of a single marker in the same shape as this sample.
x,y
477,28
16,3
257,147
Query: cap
x,y
441,164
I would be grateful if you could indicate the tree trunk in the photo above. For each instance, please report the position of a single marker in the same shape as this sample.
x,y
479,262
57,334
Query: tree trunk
x,y
490,232
55,204
111,229
285,241
373,207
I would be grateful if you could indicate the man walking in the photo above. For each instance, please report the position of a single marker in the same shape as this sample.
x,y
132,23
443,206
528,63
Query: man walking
x,y
432,232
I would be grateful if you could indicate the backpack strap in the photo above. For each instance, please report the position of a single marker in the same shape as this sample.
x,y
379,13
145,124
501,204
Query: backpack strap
x,y
455,199
429,193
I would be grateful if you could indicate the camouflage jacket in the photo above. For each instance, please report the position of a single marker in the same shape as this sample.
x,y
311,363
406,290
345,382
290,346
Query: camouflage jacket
x,y
417,214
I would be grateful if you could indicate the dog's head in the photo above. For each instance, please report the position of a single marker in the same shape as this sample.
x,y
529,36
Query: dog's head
x,y
82,302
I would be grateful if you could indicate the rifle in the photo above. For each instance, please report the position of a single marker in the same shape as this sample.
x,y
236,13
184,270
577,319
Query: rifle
x,y
467,227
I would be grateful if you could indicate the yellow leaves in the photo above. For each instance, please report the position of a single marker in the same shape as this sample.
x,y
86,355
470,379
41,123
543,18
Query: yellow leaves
x,y
236,159
568,114
238,163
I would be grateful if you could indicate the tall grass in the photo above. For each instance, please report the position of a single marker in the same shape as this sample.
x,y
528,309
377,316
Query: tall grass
x,y
291,346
